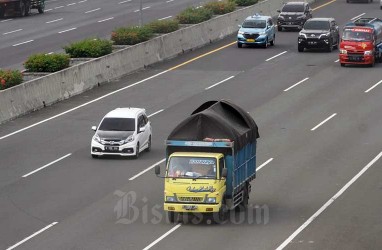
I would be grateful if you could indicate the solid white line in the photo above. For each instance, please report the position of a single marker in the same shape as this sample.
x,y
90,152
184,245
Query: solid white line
x,y
155,113
107,19
162,237
33,235
17,44
337,60
328,203
71,4
291,87
59,7
327,119
13,31
92,10
48,10
167,17
169,1
83,105
357,16
124,2
53,21
147,169
276,56
375,85
220,82
264,164
6,20
82,1
47,165
66,30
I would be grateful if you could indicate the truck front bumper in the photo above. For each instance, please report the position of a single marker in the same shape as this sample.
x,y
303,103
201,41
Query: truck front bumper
x,y
192,208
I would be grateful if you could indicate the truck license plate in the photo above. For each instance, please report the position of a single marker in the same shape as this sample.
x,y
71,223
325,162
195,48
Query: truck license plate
x,y
189,207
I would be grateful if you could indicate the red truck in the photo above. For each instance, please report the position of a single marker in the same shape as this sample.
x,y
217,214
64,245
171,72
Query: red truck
x,y
21,7
361,42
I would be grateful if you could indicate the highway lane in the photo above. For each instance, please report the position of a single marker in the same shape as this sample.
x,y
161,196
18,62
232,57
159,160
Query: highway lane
x,y
256,99
75,20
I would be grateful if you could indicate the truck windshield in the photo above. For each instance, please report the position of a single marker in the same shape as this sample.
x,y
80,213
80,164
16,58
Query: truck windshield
x,y
192,167
350,35
254,24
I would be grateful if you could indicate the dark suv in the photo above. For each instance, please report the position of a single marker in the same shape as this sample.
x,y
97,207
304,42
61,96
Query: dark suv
x,y
319,33
293,15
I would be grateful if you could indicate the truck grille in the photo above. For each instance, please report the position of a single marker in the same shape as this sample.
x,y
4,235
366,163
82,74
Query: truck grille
x,y
190,199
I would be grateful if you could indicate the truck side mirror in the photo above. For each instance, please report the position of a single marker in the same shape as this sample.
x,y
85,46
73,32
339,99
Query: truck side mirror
x,y
157,170
224,173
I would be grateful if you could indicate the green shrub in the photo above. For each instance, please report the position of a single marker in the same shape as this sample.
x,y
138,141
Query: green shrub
x,y
194,15
89,48
131,35
47,63
244,2
220,8
163,26
9,78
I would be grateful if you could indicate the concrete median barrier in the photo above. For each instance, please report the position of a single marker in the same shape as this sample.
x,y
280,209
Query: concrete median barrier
x,y
46,90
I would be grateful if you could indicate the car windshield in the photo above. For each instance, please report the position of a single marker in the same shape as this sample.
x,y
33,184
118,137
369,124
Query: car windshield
x,y
351,35
117,124
316,25
260,24
192,167
293,8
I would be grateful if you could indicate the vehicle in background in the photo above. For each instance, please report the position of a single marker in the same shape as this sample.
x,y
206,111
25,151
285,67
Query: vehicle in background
x,y
293,15
380,4
22,7
319,33
256,30
211,159
124,132
362,1
361,42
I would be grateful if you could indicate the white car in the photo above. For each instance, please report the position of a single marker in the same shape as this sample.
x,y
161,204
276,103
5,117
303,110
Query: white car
x,y
124,132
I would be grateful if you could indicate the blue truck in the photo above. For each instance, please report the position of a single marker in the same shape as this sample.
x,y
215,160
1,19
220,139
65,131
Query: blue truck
x,y
210,161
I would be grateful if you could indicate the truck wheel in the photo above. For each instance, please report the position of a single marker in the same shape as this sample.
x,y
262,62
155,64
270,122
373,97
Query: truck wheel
x,y
173,216
300,49
223,213
41,8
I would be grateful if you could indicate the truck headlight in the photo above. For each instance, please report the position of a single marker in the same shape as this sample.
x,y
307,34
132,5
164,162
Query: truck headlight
x,y
343,51
368,53
211,200
170,198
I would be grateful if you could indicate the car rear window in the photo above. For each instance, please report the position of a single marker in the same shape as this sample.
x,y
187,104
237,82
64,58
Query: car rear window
x,y
117,124
260,24
293,8
316,25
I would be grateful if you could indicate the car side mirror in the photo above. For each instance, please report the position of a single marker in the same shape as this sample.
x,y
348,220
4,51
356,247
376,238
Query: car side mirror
x,y
157,170
279,11
239,26
94,128
141,129
224,173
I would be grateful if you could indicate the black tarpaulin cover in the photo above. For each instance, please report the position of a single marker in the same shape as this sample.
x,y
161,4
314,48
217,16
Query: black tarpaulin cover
x,y
217,120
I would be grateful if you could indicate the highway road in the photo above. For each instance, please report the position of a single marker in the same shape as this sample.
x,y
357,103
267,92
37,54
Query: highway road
x,y
66,21
318,187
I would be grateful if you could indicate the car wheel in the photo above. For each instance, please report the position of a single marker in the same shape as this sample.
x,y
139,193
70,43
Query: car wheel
x,y
2,13
27,8
266,44
279,28
273,41
136,156
41,8
148,149
300,49
239,45
330,46
94,156
22,9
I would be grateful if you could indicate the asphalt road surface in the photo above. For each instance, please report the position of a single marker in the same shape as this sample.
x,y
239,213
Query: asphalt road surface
x,y
66,21
319,186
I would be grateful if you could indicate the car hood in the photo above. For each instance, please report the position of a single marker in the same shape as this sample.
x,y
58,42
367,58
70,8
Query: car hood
x,y
114,135
314,31
252,30
292,13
